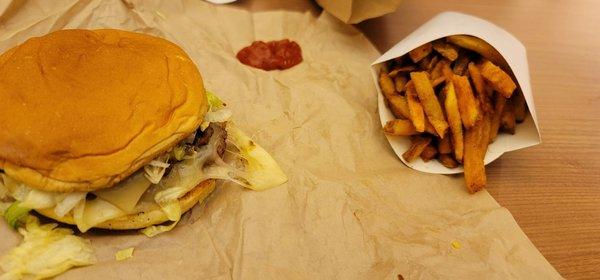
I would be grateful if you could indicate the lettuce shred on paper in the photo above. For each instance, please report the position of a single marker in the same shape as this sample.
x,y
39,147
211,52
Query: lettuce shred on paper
x,y
46,251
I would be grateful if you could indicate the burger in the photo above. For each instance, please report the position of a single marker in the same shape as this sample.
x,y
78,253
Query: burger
x,y
113,129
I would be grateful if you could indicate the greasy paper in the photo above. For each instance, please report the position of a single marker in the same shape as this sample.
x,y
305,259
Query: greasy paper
x,y
451,23
355,11
350,210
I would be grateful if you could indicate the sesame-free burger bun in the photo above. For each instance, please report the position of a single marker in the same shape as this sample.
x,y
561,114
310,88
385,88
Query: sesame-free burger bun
x,y
83,109
144,219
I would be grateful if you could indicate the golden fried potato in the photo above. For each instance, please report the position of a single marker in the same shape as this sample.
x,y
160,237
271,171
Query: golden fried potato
x,y
402,70
400,83
479,46
428,153
496,117
429,128
419,53
467,104
428,63
460,65
520,105
474,154
454,119
508,118
438,81
445,144
436,71
418,144
399,106
399,128
477,79
417,116
446,50
497,78
430,103
447,161
386,84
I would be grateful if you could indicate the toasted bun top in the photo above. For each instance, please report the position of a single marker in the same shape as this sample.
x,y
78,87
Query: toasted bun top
x,y
83,109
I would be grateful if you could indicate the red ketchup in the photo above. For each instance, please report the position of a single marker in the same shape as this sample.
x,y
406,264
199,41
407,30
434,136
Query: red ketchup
x,y
273,55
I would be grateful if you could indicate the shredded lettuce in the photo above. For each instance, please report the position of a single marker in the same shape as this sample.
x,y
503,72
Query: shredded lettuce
x,y
15,213
156,169
261,170
152,231
124,254
88,214
45,251
214,102
216,111
67,202
221,115
37,199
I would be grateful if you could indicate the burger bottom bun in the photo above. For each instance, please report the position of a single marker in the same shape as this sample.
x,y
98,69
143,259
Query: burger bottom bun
x,y
144,219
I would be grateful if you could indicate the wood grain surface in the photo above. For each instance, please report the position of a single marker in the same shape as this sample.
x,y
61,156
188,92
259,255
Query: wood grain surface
x,y
553,189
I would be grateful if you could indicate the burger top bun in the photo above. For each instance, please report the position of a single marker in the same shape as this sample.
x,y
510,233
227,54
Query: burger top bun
x,y
81,110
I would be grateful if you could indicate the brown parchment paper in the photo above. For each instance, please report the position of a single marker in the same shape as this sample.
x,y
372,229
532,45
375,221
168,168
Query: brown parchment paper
x,y
351,209
355,11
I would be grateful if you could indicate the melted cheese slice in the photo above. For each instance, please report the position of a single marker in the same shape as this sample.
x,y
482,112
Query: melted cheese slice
x,y
90,213
126,194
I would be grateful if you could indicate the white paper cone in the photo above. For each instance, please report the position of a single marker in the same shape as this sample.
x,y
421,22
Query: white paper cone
x,y
452,23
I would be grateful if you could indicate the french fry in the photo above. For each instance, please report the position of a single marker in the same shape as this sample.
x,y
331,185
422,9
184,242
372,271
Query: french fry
x,y
445,144
399,106
497,78
473,158
430,103
428,62
520,105
454,119
417,116
478,99
429,128
418,144
442,69
419,53
386,84
496,117
485,140
479,46
508,118
446,50
447,71
438,81
429,153
477,79
448,161
467,105
396,102
399,128
460,65
436,72
400,83
485,102
401,70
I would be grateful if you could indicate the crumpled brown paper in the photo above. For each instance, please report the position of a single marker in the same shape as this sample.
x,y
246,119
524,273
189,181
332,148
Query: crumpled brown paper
x,y
355,11
351,209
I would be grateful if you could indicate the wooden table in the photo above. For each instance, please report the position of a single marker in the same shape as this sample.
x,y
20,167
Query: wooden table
x,y
553,189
